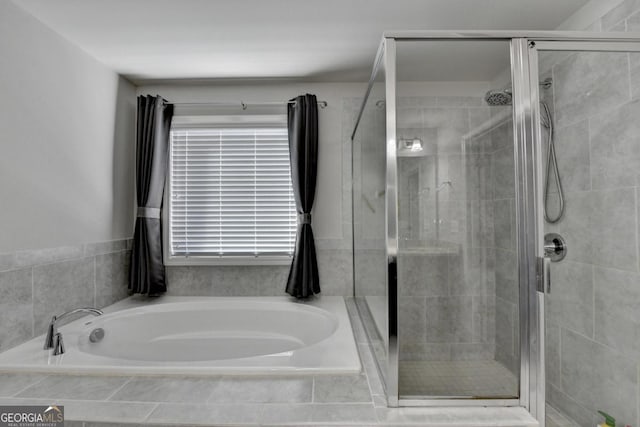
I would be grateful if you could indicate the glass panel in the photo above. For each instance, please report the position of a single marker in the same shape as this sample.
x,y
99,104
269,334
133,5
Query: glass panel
x,y
592,317
369,182
458,276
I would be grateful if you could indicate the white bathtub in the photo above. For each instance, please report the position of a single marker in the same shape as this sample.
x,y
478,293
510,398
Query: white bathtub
x,y
202,336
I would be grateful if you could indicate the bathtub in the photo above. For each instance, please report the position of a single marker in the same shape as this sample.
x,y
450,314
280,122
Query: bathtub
x,y
202,336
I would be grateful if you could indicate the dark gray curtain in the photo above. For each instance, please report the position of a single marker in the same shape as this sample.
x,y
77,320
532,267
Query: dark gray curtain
x,y
147,275
302,120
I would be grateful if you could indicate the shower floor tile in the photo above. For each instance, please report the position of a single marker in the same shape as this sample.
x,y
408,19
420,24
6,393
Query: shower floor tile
x,y
477,378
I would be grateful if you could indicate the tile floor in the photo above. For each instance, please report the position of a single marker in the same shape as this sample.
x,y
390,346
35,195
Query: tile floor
x,y
108,401
476,378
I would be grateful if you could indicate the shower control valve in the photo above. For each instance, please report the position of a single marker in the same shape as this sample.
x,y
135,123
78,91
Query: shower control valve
x,y
555,247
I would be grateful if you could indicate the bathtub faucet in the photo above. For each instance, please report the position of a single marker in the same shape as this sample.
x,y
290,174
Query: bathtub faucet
x,y
54,338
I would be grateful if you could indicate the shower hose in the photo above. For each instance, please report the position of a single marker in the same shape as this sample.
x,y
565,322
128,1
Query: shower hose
x,y
552,167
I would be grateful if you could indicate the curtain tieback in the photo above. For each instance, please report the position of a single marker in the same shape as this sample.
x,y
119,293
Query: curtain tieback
x,y
148,212
304,218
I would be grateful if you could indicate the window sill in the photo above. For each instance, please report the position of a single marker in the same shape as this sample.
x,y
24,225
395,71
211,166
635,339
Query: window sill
x,y
229,260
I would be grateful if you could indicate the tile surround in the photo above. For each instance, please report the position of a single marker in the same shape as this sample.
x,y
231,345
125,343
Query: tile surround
x,y
605,74
74,388
16,307
615,153
334,267
448,297
617,318
598,376
64,285
570,303
593,360
37,284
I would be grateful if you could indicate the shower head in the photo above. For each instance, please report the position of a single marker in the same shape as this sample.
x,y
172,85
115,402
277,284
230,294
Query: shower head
x,y
498,97
501,97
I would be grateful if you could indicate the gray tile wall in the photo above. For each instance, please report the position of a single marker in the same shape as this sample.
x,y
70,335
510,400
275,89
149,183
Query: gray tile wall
x,y
334,265
446,278
593,320
458,291
37,284
504,246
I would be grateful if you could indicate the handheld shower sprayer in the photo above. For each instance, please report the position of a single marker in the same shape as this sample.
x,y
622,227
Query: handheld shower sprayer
x,y
503,97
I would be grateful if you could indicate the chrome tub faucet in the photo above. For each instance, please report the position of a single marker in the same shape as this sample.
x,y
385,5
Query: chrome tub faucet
x,y
54,338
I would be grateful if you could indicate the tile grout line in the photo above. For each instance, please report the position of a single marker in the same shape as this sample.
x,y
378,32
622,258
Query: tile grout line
x,y
629,69
608,111
638,394
15,395
107,399
33,304
635,199
83,255
94,281
153,409
589,153
560,355
593,301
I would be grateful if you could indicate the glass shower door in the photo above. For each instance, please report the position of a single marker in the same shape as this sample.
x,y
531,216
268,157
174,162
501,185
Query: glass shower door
x,y
458,286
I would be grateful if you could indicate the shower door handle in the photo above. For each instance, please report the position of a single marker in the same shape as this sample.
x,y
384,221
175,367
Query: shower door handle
x,y
544,275
546,264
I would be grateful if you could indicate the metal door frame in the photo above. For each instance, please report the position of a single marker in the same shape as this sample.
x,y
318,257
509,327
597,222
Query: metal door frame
x,y
533,145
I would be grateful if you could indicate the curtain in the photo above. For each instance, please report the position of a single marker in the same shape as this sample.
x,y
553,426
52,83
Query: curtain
x,y
302,121
147,274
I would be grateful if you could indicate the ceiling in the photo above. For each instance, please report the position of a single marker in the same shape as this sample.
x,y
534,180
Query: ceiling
x,y
314,40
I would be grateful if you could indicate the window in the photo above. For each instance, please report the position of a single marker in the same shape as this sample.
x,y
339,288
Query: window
x,y
230,195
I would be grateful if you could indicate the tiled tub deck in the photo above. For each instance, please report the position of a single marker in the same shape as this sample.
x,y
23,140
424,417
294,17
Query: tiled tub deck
x,y
302,400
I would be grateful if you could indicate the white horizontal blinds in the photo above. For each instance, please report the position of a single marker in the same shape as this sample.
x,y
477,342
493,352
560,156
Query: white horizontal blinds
x,y
231,193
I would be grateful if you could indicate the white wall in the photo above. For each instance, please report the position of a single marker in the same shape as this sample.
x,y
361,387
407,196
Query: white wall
x,y
67,128
327,213
588,14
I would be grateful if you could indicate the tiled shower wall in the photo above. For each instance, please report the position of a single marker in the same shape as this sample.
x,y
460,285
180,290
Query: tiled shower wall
x,y
448,272
334,264
593,315
38,284
490,175
446,277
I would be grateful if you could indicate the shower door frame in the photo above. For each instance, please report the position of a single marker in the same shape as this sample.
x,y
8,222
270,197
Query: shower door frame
x,y
625,43
532,269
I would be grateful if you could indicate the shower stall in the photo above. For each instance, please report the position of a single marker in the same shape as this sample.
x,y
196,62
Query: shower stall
x,y
457,155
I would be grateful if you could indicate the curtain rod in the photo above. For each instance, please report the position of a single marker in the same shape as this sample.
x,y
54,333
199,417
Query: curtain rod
x,y
243,105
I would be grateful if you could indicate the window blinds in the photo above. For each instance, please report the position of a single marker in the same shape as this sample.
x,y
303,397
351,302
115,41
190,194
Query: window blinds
x,y
231,193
